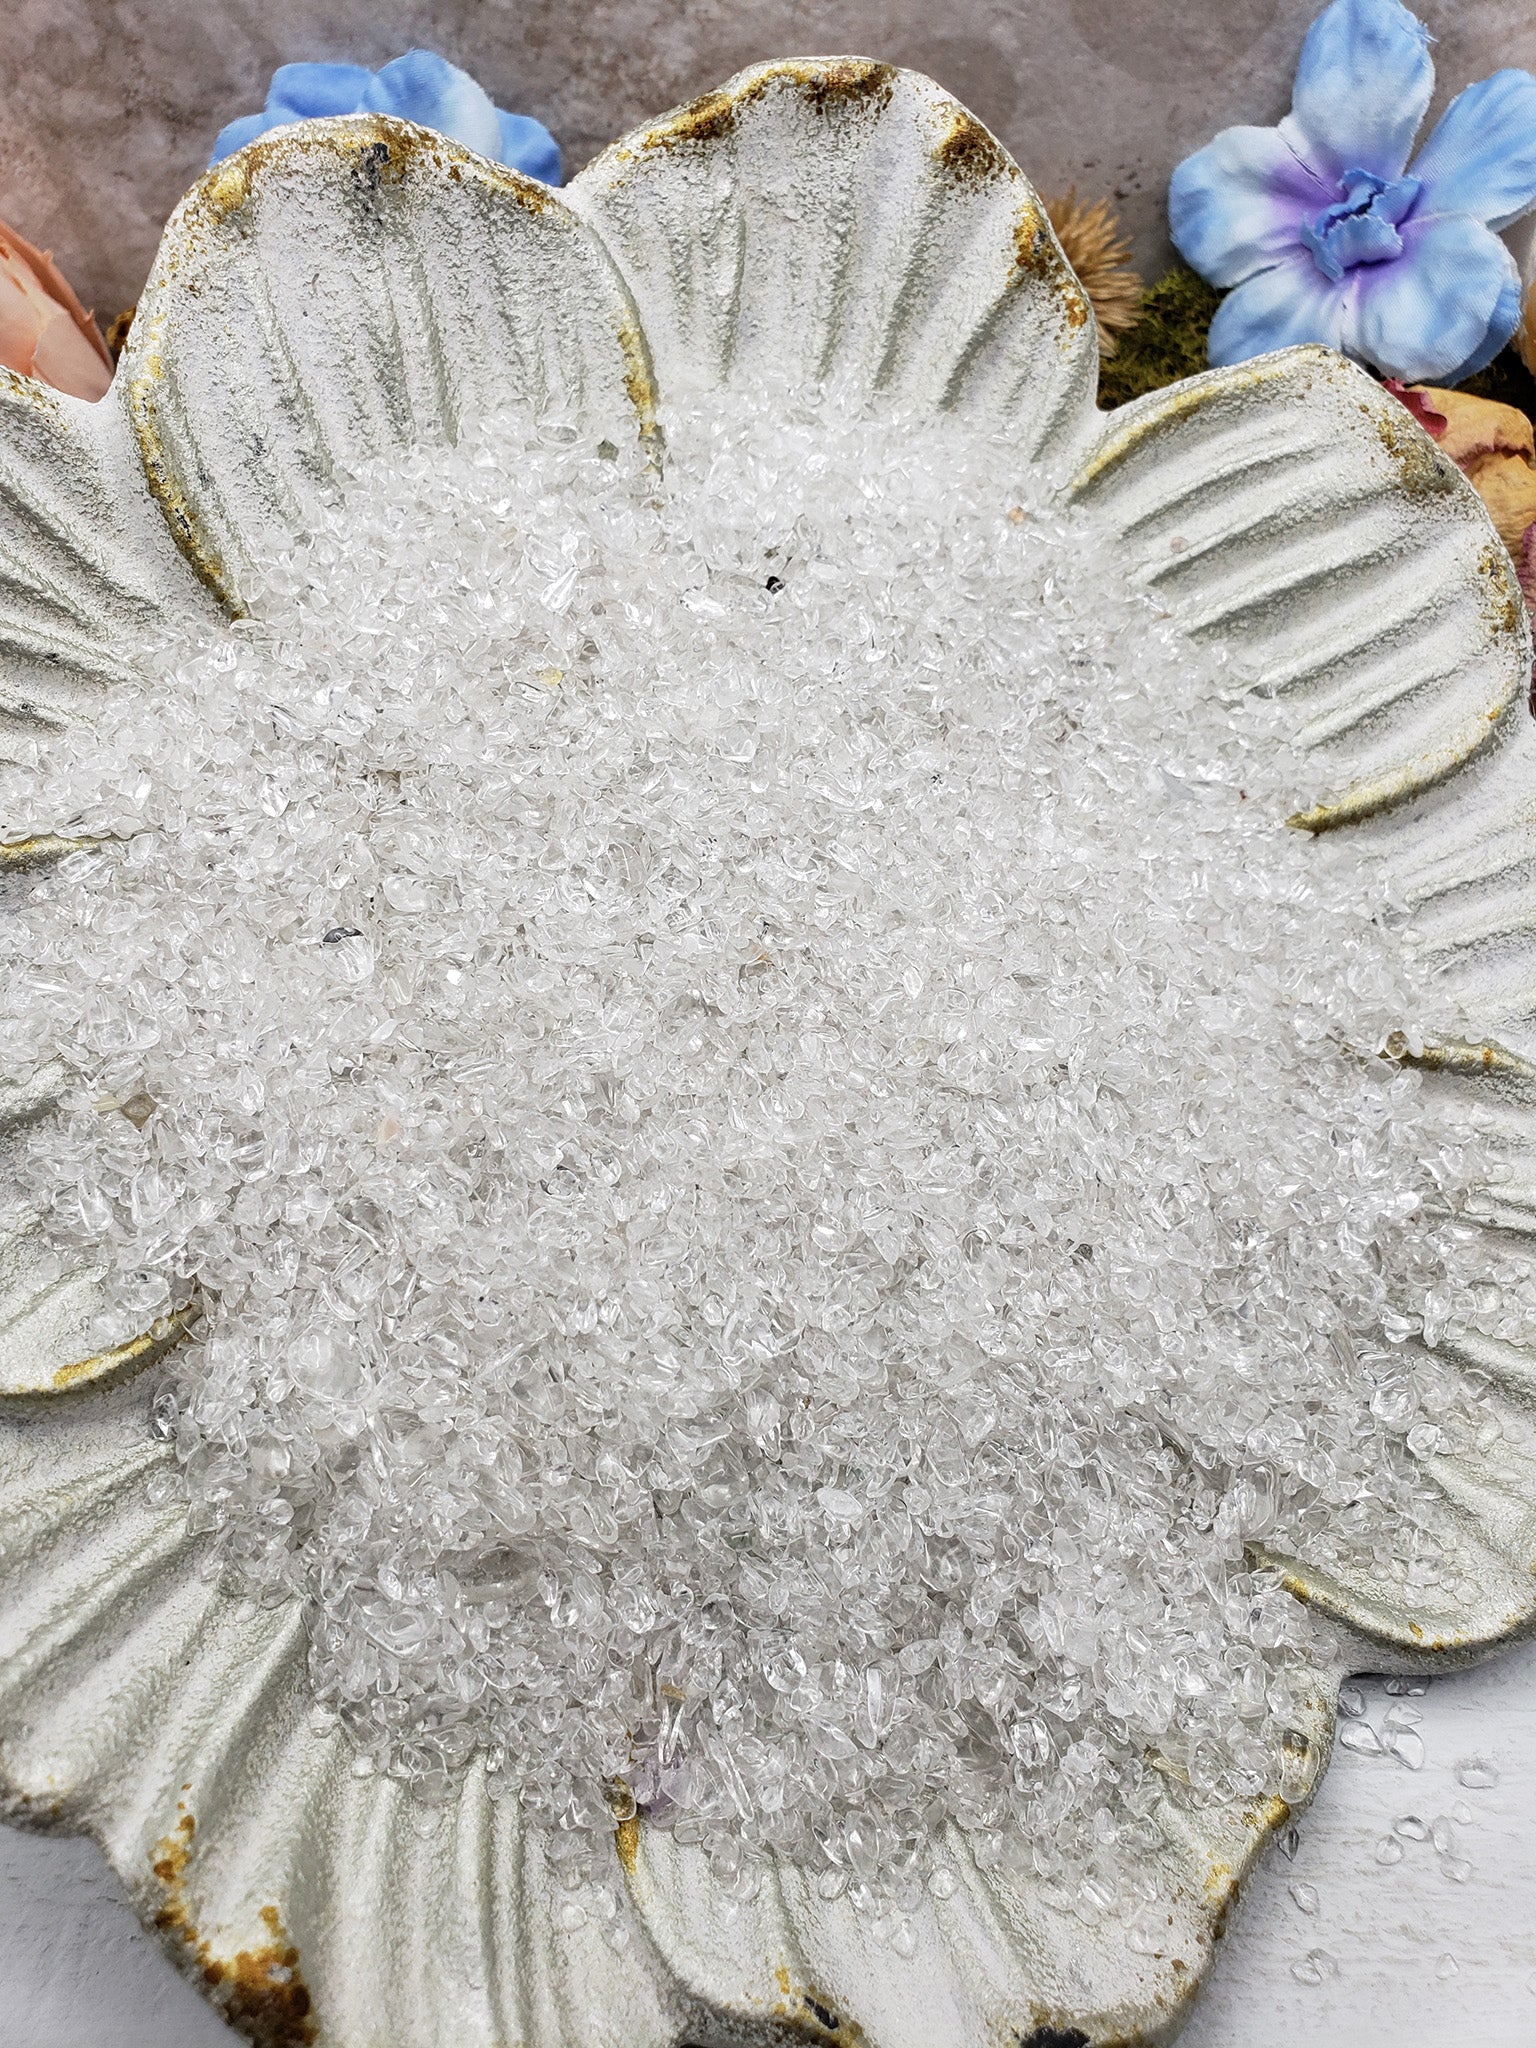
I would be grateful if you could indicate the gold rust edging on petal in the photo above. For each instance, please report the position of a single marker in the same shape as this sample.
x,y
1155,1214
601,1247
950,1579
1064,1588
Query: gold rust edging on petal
x,y
145,379
122,1361
261,1991
376,148
1381,793
1379,1625
1037,254
966,152
1484,1060
1421,471
1179,402
17,389
809,2016
969,154
640,385
823,82
41,849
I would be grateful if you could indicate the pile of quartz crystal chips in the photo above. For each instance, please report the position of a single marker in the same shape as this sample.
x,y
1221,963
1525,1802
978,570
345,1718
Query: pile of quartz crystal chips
x,y
783,1155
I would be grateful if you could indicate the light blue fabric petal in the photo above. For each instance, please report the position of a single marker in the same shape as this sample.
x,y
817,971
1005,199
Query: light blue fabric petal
x,y
426,88
238,133
528,146
1290,302
308,92
1481,158
1506,318
1362,87
1423,316
1238,205
420,87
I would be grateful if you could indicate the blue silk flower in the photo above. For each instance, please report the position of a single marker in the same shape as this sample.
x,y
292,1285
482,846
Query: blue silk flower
x,y
419,87
1323,232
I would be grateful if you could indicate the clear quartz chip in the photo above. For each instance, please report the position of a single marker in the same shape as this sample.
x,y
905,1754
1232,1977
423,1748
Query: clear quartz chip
x,y
1315,1967
1361,1736
1407,1745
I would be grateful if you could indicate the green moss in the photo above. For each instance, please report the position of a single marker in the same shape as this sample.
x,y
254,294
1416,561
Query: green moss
x,y
1167,341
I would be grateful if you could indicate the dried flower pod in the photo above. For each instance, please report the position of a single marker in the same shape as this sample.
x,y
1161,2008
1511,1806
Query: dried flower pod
x,y
117,330
1098,249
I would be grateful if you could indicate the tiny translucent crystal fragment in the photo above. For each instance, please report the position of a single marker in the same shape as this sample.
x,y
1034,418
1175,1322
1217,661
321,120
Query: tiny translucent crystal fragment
x,y
1476,1774
1407,1745
1315,1967
1147,1931
1360,1735
1389,1850
781,1150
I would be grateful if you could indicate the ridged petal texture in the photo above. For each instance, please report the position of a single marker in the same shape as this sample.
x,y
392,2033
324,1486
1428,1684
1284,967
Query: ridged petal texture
x,y
834,221
343,288
350,287
1285,506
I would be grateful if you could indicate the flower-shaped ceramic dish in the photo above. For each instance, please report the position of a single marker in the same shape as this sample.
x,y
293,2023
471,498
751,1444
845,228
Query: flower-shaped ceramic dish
x,y
350,287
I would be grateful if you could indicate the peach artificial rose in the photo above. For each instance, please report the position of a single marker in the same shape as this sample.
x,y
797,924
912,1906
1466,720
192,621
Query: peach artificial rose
x,y
45,332
1495,449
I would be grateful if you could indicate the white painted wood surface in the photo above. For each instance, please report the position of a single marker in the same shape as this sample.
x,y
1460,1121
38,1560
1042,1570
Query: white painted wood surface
x,y
77,1971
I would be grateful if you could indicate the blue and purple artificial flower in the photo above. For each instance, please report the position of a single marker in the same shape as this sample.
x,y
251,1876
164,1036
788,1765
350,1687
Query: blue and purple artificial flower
x,y
420,87
1324,233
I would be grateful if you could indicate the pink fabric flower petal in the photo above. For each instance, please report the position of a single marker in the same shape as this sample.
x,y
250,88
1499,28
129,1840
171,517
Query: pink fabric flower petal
x,y
45,332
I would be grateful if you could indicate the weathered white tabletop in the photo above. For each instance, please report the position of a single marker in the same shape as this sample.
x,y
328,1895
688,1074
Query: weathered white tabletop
x,y
76,1971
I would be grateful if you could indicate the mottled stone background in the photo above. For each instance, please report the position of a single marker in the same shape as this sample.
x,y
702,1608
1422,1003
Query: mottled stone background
x,y
108,107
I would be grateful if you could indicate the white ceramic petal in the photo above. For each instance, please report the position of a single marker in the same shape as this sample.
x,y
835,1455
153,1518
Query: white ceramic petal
x,y
1371,592
991,1963
139,1702
1294,508
347,287
833,220
1291,508
83,570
